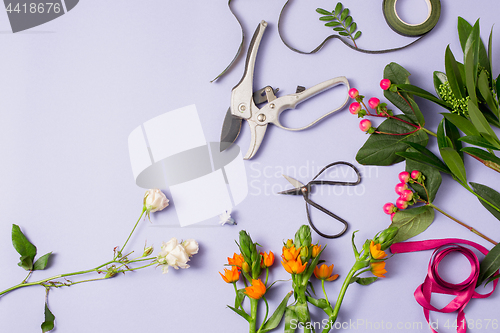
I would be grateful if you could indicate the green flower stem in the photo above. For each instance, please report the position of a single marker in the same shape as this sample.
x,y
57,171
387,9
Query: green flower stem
x,y
462,224
135,226
27,277
267,313
267,275
324,292
428,132
340,298
253,314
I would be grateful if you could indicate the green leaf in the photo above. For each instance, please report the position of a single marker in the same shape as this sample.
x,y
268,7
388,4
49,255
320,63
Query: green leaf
x,y
432,178
348,21
412,222
24,247
424,94
471,62
332,24
275,318
490,47
452,159
366,281
327,18
489,265
464,30
319,303
239,298
291,319
441,136
493,278
344,14
48,324
241,313
417,112
484,88
497,86
302,312
490,195
462,123
323,11
342,33
439,78
429,156
41,263
357,35
453,74
353,27
338,9
381,149
479,121
479,141
454,135
339,29
485,157
398,75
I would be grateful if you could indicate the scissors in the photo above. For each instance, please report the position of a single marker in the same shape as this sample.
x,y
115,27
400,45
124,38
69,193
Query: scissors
x,y
305,191
244,102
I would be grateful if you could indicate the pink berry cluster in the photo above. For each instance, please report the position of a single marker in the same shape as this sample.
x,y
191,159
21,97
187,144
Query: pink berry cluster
x,y
374,103
406,195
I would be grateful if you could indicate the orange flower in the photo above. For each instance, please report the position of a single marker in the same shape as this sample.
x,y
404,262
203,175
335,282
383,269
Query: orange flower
x,y
294,266
232,275
376,252
236,260
316,250
267,259
290,253
325,273
256,290
378,269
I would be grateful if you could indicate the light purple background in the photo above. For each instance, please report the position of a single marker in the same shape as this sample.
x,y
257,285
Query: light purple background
x,y
73,89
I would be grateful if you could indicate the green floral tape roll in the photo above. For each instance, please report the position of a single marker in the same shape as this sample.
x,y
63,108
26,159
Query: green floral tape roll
x,y
407,29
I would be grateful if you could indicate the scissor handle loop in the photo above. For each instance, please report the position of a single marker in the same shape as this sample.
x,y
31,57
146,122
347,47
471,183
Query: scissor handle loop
x,y
338,218
332,182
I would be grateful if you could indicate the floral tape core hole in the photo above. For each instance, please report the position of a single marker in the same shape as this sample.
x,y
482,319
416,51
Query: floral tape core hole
x,y
455,268
409,11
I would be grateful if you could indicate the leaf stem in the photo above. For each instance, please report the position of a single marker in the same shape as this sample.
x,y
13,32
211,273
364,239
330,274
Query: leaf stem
x,y
462,224
378,132
130,235
429,132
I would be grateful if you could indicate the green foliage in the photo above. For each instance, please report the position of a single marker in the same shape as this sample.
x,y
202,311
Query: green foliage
x,y
341,22
412,222
48,324
276,317
489,265
490,198
24,247
432,181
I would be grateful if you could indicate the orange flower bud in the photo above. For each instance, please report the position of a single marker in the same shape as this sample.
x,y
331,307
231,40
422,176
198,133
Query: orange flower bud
x,y
316,250
256,290
236,260
246,267
378,269
267,259
294,266
232,275
289,244
376,252
325,273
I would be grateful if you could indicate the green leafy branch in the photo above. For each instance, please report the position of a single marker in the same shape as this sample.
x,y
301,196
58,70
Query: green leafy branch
x,y
341,22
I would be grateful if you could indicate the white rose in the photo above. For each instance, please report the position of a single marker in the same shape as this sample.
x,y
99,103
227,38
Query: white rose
x,y
191,246
178,257
155,200
166,248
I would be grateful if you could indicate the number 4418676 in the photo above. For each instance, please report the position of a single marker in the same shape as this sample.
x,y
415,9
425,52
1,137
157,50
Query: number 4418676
x,y
473,324
34,8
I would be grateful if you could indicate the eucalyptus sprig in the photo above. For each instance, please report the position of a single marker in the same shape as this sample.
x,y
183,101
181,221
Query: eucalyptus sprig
x,y
341,22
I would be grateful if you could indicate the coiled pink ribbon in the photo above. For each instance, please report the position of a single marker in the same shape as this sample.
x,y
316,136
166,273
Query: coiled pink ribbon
x,y
433,283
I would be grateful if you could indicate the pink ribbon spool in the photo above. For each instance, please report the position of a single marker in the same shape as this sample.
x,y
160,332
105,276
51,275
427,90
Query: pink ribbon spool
x,y
433,283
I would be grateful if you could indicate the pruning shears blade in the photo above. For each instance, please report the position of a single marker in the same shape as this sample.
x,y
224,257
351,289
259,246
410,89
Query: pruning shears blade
x,y
230,130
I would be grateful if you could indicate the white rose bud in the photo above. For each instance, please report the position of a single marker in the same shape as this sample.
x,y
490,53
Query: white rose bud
x,y
191,246
178,258
155,200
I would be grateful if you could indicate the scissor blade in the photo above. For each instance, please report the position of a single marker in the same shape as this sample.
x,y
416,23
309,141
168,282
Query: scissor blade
x,y
295,183
230,130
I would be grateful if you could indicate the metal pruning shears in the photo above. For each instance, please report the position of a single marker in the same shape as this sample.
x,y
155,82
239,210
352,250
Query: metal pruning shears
x,y
244,102
305,191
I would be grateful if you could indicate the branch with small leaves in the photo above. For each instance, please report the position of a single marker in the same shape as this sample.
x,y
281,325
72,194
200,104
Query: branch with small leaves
x,y
340,20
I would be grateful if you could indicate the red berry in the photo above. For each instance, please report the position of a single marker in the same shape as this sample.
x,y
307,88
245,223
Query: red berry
x,y
415,174
354,108
407,195
401,204
400,188
385,84
365,125
389,208
373,102
353,92
404,176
